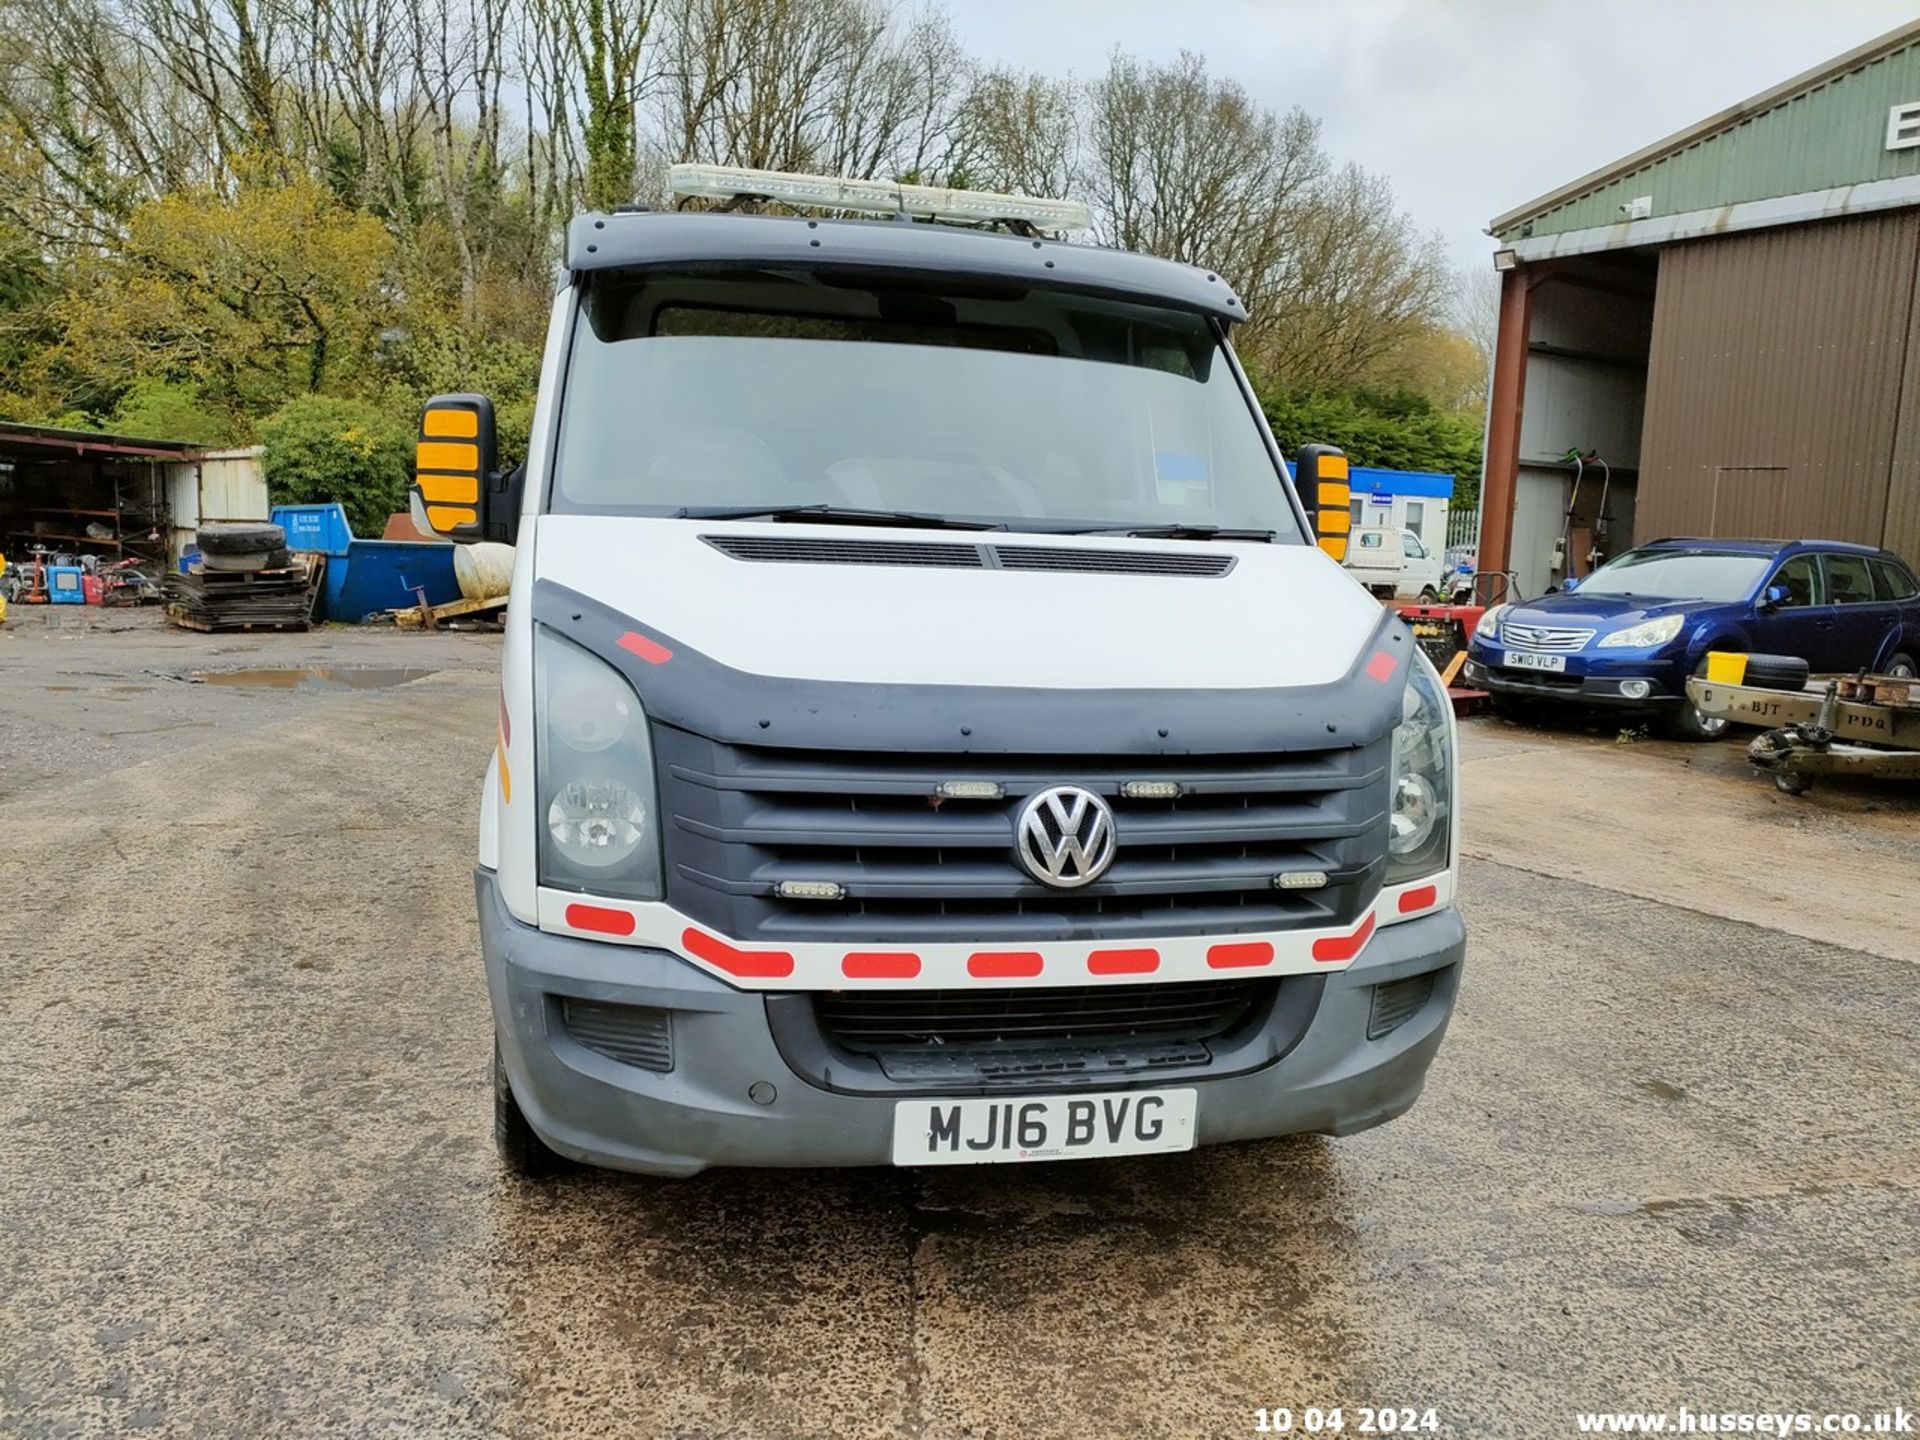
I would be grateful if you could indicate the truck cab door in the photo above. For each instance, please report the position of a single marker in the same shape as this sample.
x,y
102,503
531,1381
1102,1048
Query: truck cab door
x,y
1418,568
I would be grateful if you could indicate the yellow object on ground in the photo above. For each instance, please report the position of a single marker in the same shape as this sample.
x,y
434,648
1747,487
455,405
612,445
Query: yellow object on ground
x,y
3,609
1726,667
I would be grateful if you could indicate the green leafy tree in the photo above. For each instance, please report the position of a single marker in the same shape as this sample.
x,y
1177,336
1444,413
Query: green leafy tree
x,y
169,410
1391,430
321,448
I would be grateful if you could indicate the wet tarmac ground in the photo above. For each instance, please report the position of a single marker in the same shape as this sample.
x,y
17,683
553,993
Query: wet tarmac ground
x,y
1670,1153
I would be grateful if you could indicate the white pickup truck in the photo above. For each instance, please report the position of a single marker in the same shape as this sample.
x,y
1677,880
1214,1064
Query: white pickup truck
x,y
1394,563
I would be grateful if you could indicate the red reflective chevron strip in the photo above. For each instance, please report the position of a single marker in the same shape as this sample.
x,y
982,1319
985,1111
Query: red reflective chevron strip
x,y
1420,899
880,965
1005,965
651,651
1335,949
748,964
600,918
1244,954
1123,962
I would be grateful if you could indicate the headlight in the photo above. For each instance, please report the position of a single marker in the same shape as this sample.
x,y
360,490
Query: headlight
x,y
1421,788
1489,626
1645,634
598,811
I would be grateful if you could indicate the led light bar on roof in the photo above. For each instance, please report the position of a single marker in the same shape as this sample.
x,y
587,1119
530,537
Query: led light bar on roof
x,y
877,197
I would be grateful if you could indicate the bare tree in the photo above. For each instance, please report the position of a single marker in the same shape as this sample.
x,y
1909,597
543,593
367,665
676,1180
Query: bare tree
x,y
841,86
1018,132
1473,312
1184,165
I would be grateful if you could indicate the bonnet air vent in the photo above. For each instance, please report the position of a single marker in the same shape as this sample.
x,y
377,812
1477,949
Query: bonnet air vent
x,y
812,550
959,555
1110,562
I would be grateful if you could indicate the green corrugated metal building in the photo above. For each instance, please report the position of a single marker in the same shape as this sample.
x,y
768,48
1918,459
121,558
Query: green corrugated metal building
x,y
1725,317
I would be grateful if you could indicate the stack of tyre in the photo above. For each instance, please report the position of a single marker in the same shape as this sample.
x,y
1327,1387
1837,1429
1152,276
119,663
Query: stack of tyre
x,y
243,545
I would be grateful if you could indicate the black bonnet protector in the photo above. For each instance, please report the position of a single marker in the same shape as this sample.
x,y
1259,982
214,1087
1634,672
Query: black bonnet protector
x,y
681,687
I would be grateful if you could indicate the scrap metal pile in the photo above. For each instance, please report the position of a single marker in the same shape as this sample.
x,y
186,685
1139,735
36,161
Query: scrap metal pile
x,y
245,579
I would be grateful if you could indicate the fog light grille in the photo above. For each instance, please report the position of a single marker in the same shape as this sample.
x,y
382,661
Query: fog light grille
x,y
632,1034
1396,1003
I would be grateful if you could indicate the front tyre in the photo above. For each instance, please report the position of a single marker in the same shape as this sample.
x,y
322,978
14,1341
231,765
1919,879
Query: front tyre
x,y
1688,723
522,1152
1902,667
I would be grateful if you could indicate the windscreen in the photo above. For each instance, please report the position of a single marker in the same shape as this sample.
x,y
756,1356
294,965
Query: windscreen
x,y
1718,575
1000,405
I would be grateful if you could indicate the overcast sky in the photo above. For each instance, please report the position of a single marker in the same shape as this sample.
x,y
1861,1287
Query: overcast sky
x,y
1471,107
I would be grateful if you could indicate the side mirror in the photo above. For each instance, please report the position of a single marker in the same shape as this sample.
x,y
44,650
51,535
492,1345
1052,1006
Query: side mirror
x,y
1320,478
1774,596
454,485
1572,582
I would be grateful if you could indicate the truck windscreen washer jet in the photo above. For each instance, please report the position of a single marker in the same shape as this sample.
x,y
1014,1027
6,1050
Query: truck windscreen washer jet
x,y
932,728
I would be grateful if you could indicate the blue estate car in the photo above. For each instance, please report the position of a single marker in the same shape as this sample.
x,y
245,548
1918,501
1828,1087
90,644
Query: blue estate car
x,y
1630,634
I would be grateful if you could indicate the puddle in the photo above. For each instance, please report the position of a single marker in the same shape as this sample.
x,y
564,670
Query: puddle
x,y
318,677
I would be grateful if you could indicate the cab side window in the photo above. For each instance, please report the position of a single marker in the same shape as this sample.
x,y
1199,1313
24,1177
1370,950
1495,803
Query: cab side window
x,y
1800,577
1370,540
1848,580
1412,548
1891,581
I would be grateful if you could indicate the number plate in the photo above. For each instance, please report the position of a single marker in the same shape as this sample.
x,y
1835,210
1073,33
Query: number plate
x,y
988,1131
1527,660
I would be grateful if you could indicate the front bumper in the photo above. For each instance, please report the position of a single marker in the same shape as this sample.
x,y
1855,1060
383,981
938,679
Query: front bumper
x,y
1586,681
586,1105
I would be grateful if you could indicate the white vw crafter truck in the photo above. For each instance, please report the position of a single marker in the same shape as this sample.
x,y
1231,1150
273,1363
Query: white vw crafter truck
x,y
934,726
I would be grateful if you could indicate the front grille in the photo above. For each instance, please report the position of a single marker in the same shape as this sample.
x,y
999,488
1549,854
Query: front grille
x,y
810,550
1082,1035
913,869
1544,637
868,1021
632,1034
1110,562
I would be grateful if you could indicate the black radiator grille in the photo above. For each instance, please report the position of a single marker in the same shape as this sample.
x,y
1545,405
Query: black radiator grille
x,y
874,1021
917,869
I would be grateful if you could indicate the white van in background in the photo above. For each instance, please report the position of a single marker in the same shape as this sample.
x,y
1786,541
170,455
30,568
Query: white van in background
x,y
1394,563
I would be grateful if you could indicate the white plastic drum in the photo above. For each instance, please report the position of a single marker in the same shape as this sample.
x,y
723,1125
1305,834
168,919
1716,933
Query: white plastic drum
x,y
484,569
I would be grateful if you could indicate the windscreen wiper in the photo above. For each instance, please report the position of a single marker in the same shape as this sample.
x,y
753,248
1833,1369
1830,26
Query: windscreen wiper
x,y
1177,532
834,515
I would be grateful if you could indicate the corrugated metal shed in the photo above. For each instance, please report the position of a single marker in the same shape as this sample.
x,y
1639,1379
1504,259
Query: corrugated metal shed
x,y
1824,129
1774,384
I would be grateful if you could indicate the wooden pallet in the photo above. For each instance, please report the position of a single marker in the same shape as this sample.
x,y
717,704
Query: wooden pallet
x,y
271,600
1901,693
428,617
179,615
